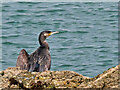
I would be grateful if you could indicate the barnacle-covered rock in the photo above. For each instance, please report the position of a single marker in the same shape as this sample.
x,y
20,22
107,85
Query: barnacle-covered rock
x,y
13,77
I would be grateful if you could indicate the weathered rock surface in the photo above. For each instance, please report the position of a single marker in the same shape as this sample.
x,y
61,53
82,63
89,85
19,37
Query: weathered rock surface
x,y
13,77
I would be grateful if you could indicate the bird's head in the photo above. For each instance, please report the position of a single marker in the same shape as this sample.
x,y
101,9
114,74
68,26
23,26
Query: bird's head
x,y
44,34
48,33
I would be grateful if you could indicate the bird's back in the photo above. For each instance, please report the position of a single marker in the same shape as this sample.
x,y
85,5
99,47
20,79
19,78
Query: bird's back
x,y
40,60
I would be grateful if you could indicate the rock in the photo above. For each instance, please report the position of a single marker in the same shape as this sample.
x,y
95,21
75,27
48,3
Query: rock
x,y
108,79
13,77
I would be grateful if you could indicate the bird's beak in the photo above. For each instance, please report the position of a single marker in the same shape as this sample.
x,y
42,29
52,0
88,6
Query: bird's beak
x,y
53,33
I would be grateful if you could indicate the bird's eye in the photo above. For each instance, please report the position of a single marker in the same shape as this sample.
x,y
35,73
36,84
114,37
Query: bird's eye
x,y
49,31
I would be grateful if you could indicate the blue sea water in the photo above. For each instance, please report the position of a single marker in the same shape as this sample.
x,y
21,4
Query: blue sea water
x,y
88,38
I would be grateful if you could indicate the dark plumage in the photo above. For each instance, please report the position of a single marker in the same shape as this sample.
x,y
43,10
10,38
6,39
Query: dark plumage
x,y
38,61
22,60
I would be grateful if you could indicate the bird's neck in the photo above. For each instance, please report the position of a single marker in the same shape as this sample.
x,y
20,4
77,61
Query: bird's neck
x,y
43,43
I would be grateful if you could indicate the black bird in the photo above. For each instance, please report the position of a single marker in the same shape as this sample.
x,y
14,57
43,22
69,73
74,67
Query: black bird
x,y
38,61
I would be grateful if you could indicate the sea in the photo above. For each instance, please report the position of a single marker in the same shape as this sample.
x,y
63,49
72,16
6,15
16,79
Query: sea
x,y
87,42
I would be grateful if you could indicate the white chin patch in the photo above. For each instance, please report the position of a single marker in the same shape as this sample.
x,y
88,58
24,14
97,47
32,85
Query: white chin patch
x,y
45,34
45,41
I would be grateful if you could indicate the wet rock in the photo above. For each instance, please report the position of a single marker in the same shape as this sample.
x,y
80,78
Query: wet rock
x,y
13,77
108,79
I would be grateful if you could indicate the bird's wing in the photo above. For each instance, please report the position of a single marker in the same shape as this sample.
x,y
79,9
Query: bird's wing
x,y
40,63
44,63
22,60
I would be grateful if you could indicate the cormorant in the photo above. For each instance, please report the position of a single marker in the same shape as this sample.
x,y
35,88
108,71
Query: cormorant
x,y
38,61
